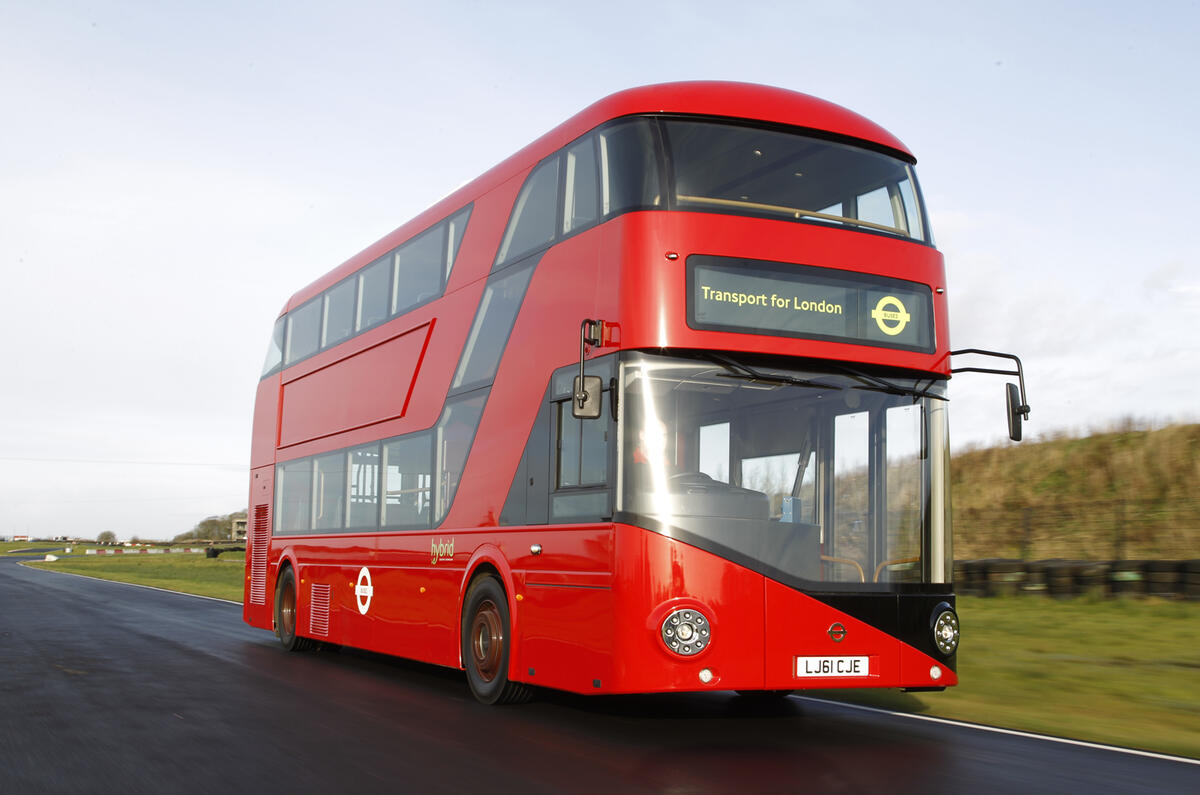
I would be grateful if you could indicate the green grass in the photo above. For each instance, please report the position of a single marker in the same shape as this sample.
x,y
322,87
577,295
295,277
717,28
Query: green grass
x,y
1124,672
220,577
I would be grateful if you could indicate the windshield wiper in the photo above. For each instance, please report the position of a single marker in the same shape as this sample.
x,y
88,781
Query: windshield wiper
x,y
879,384
739,370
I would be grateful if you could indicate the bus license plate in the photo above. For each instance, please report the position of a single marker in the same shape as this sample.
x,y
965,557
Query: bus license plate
x,y
832,666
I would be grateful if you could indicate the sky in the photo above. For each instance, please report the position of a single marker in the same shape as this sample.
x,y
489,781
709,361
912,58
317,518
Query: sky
x,y
171,172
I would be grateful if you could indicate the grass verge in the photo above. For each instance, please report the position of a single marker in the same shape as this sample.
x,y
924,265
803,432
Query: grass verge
x,y
190,572
1124,672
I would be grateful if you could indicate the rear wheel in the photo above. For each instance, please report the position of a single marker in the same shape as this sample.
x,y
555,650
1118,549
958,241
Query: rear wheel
x,y
286,600
486,644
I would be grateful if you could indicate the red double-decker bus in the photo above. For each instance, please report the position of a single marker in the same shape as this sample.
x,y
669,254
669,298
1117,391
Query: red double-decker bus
x,y
656,404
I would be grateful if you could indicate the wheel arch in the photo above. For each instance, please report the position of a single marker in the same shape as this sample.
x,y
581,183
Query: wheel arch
x,y
489,560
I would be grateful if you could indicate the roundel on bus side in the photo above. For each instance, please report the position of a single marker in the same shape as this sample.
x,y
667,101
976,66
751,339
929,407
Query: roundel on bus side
x,y
363,590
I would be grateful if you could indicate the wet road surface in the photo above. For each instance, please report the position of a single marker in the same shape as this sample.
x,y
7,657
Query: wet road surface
x,y
106,687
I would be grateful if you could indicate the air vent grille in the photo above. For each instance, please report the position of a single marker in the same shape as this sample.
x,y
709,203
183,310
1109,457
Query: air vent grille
x,y
318,614
260,538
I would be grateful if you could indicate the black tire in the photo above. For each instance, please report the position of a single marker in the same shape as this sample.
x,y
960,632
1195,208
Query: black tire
x,y
486,643
286,600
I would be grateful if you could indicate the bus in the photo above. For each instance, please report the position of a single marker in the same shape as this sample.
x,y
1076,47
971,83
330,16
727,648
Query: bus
x,y
657,404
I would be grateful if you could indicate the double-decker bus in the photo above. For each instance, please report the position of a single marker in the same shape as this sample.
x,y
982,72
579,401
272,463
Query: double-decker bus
x,y
656,404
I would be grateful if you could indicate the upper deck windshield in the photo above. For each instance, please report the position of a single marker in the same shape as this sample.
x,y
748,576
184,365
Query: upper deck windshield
x,y
824,476
731,168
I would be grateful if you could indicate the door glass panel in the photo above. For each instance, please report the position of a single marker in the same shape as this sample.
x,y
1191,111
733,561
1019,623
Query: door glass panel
x,y
850,543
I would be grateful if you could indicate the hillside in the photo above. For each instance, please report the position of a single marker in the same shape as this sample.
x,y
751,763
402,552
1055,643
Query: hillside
x,y
1128,494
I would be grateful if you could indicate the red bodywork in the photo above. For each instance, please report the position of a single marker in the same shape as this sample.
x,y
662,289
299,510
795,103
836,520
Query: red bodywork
x,y
585,612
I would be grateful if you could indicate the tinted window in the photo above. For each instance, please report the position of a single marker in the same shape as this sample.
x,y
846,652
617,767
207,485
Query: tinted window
x,y
374,294
418,270
407,467
457,226
329,492
304,331
493,323
455,432
779,174
581,194
582,448
532,222
339,313
364,487
293,497
275,350
629,167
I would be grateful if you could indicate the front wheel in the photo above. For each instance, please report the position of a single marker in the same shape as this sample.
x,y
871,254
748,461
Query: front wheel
x,y
285,612
486,644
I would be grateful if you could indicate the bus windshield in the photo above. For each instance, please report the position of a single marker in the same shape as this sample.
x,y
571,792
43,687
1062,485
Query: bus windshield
x,y
753,171
820,476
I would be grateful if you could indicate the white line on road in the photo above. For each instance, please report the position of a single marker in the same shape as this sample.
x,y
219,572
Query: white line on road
x,y
1012,732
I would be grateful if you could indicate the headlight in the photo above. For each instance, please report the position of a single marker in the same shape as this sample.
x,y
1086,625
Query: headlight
x,y
945,629
686,632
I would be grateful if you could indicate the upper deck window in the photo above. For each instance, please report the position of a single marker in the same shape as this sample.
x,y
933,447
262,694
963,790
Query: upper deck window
x,y
532,222
775,174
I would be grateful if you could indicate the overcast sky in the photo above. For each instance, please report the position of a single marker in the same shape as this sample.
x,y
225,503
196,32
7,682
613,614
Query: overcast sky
x,y
171,172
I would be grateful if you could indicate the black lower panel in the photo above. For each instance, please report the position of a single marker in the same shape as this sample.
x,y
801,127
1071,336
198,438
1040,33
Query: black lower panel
x,y
906,616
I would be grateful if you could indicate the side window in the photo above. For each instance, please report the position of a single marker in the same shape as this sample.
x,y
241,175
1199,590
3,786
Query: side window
x,y
455,228
329,491
339,314
454,435
628,168
773,475
532,222
581,194
408,481
303,332
493,323
275,351
374,293
912,212
876,207
418,270
714,451
582,449
293,497
363,507
579,476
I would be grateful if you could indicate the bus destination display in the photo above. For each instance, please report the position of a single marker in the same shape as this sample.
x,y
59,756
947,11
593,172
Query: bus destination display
x,y
799,301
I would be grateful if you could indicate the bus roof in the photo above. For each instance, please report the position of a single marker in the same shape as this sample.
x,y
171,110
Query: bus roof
x,y
704,98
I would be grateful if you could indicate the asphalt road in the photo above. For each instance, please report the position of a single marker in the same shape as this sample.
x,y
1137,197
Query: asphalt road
x,y
112,688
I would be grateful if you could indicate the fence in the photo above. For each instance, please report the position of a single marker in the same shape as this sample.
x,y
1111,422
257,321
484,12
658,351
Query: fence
x,y
1104,547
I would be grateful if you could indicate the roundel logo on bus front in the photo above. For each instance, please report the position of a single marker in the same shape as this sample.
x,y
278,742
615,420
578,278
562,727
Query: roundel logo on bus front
x,y
363,590
890,315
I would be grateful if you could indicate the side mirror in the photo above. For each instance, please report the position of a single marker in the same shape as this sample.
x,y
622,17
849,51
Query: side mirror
x,y
587,402
1015,411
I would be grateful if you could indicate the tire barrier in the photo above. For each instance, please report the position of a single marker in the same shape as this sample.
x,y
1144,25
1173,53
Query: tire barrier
x,y
1165,579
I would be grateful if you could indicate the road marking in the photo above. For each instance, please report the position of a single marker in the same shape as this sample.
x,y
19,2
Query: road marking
x,y
1012,732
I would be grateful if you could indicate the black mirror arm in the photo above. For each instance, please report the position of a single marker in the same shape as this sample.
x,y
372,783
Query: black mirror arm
x,y
589,334
1023,409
